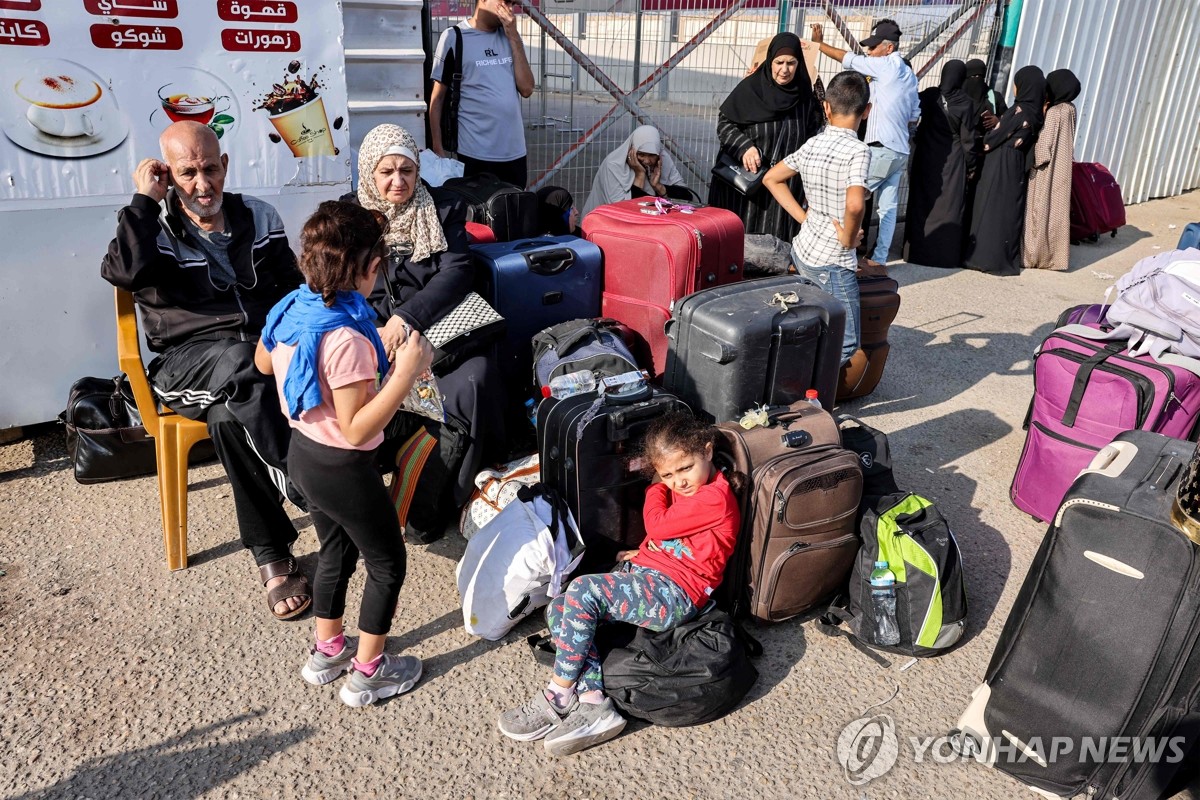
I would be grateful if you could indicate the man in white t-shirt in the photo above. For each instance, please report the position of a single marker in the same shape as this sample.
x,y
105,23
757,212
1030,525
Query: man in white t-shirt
x,y
495,70
895,110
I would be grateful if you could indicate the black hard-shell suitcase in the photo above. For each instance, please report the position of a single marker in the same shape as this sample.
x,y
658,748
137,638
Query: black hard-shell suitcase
x,y
585,449
1100,647
510,211
758,341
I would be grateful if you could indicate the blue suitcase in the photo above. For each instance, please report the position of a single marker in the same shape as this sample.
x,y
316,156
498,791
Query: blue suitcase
x,y
536,283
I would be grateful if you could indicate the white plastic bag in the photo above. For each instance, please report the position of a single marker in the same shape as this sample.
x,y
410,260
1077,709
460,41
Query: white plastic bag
x,y
517,562
436,170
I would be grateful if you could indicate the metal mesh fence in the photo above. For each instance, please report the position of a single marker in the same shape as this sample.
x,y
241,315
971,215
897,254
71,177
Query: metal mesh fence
x,y
570,122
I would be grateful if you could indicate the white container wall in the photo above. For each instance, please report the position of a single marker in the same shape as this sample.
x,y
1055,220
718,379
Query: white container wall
x,y
56,313
1139,112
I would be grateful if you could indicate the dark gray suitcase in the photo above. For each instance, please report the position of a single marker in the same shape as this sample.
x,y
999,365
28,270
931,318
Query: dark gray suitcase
x,y
759,341
1101,644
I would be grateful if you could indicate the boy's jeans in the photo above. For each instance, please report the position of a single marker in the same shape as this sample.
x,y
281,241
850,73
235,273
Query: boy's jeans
x,y
883,178
842,283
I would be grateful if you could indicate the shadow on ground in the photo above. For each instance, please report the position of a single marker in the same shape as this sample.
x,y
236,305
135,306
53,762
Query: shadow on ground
x,y
189,765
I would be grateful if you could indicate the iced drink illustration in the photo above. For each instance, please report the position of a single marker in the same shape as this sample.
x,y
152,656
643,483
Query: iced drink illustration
x,y
298,114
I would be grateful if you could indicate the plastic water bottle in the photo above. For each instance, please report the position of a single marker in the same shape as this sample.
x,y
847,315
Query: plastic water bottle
x,y
883,602
571,384
811,397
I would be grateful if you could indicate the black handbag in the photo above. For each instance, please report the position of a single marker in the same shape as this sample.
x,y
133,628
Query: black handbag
x,y
106,440
731,171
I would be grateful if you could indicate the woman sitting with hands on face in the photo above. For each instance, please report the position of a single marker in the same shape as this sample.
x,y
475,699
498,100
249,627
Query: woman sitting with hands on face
x,y
426,275
639,167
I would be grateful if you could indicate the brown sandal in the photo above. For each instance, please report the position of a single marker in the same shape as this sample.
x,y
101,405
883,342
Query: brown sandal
x,y
296,585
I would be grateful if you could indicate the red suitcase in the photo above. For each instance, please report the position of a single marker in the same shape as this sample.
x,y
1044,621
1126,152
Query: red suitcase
x,y
1096,204
478,233
653,256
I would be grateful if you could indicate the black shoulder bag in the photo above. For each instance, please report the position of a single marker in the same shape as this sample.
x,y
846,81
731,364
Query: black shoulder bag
x,y
454,66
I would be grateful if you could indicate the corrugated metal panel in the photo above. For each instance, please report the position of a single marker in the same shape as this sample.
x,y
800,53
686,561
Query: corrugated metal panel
x,y
385,65
1139,112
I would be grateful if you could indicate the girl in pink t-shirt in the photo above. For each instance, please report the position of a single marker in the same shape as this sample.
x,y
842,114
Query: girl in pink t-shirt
x,y
321,344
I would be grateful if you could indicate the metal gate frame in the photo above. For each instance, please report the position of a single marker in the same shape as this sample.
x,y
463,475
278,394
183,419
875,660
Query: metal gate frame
x,y
629,101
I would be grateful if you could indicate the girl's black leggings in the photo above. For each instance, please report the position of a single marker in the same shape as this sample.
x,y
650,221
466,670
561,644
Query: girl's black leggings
x,y
352,514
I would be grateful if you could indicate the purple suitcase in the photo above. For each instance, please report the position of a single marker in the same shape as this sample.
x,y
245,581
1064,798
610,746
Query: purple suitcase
x,y
1085,393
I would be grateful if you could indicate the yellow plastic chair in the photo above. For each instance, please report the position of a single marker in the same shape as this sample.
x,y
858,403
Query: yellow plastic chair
x,y
173,435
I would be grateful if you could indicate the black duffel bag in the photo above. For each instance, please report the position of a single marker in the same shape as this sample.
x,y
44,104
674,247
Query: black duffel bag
x,y
691,674
106,440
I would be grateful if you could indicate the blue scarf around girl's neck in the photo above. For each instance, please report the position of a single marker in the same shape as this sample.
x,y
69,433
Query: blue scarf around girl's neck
x,y
301,319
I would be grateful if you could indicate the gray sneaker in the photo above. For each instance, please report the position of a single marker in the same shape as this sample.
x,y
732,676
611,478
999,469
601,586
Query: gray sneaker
x,y
585,725
533,720
321,669
394,675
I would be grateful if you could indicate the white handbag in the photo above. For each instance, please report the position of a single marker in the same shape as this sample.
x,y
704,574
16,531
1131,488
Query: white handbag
x,y
495,489
517,562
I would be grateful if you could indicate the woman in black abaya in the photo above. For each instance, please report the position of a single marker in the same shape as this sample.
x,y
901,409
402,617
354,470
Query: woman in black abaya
x,y
998,218
943,155
766,117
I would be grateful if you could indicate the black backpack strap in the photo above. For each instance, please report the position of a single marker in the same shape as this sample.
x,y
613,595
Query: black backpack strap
x,y
830,624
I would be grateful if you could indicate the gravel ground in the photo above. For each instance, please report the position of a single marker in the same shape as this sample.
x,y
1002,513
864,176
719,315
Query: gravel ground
x,y
122,679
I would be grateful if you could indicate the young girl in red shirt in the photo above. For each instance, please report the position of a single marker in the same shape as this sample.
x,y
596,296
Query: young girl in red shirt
x,y
692,520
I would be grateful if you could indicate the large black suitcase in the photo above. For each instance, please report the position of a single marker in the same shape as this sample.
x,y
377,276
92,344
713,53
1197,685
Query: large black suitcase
x,y
585,446
1099,651
759,341
510,211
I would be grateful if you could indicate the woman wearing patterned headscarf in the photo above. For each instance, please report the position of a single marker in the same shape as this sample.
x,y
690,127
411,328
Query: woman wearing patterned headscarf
x,y
1048,208
428,273
998,217
943,155
767,116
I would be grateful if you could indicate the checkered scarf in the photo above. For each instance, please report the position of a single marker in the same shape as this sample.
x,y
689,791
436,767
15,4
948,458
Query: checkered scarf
x,y
414,223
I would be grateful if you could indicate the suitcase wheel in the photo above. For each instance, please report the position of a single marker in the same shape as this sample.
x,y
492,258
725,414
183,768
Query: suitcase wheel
x,y
965,743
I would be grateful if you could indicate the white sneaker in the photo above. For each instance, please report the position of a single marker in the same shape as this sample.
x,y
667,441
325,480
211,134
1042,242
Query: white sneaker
x,y
584,725
394,675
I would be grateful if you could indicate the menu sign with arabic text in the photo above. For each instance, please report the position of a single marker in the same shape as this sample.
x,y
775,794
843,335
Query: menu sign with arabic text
x,y
89,85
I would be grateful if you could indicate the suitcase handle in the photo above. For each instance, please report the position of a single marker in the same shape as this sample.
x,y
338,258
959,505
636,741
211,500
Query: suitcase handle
x,y
547,262
1112,459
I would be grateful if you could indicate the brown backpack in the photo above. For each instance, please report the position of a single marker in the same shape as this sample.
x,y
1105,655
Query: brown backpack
x,y
799,535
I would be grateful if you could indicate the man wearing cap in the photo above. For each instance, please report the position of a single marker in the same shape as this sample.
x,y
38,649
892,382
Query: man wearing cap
x,y
895,108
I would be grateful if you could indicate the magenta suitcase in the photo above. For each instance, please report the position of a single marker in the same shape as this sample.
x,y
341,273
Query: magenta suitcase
x,y
656,254
1085,393
1096,203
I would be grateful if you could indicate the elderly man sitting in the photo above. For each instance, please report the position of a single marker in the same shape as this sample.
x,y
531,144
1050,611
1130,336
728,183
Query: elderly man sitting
x,y
206,266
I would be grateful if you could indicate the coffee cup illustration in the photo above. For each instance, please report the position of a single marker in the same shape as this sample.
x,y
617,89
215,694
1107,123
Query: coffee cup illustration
x,y
179,103
305,129
62,104
297,111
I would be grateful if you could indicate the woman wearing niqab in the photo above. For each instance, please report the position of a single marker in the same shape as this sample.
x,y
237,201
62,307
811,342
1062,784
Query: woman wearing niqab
x,y
943,155
998,217
1048,204
766,120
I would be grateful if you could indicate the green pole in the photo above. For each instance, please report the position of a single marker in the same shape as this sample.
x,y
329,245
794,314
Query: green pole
x,y
784,12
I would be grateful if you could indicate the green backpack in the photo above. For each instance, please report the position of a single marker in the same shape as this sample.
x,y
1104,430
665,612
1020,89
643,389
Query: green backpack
x,y
907,531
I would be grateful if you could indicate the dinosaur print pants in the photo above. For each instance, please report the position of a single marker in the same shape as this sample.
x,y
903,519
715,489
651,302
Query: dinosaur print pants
x,y
640,596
